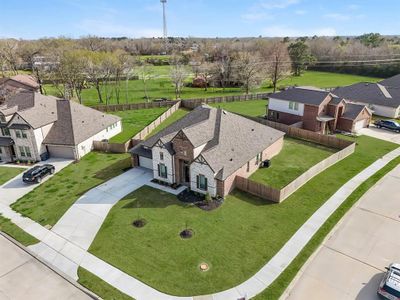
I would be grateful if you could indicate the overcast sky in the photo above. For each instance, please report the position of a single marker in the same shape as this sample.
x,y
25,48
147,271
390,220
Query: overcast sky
x,y
201,18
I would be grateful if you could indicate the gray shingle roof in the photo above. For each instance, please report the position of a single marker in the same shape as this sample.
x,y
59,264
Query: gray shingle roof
x,y
302,95
351,110
231,140
392,81
76,123
371,93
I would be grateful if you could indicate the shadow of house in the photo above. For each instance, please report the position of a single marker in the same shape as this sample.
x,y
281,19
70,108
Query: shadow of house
x,y
369,289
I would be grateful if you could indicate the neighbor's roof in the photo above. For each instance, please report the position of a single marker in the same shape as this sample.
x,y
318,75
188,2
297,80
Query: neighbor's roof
x,y
230,140
306,95
27,80
351,110
372,93
76,123
391,82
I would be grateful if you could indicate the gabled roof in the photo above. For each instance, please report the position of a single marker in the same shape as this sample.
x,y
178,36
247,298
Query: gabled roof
x,y
76,123
306,95
391,82
351,110
371,93
24,79
230,140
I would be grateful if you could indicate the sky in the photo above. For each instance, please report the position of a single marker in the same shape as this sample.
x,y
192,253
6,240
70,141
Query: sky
x,y
29,19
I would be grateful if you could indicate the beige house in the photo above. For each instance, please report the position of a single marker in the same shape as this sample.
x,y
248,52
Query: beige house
x,y
207,149
13,85
35,127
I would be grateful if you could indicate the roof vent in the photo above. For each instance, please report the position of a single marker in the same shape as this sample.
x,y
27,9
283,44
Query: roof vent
x,y
231,159
252,129
83,121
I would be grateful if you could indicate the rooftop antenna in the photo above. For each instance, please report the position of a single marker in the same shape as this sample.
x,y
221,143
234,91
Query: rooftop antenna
x,y
165,33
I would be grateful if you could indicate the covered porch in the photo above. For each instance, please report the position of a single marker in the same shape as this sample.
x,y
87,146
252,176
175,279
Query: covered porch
x,y
7,151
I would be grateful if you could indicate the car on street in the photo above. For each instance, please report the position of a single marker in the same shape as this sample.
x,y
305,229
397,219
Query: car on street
x,y
389,288
388,124
37,173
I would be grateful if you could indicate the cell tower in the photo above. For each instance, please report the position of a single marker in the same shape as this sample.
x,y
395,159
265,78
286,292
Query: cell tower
x,y
165,34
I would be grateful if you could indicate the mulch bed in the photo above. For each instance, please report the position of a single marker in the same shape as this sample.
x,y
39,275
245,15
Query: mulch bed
x,y
186,234
199,200
139,223
210,205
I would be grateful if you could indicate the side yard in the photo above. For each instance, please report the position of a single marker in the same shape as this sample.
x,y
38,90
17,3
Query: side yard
x,y
156,255
296,157
180,113
7,173
49,201
252,108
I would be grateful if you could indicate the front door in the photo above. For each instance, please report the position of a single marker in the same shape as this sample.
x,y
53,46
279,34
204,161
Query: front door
x,y
185,178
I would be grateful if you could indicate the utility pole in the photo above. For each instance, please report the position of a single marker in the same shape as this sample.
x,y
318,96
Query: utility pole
x,y
165,33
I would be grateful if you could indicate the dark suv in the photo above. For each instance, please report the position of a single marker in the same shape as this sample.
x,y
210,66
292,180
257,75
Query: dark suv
x,y
388,124
36,174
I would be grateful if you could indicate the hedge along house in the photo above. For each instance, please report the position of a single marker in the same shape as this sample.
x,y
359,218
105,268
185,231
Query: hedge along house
x,y
206,149
317,110
34,127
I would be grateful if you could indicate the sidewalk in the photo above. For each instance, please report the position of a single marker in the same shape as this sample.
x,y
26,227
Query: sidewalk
x,y
67,255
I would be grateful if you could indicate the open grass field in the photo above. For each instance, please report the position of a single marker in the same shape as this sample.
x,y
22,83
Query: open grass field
x,y
236,240
133,121
48,202
296,157
7,173
161,87
17,233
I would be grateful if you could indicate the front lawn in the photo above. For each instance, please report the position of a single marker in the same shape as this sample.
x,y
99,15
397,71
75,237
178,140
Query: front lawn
x,y
133,121
17,233
48,202
252,108
7,173
296,157
236,240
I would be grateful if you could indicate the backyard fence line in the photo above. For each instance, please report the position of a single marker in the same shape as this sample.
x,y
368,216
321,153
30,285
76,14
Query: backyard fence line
x,y
267,192
187,103
104,146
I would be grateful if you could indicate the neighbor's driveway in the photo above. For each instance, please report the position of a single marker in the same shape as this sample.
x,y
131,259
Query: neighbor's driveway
x,y
351,262
24,277
382,134
14,189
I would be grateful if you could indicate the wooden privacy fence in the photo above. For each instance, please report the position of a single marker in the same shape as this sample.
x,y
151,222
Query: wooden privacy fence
x,y
124,147
257,189
188,103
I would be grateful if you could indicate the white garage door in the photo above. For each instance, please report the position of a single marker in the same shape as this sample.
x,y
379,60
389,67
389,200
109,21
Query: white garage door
x,y
61,152
359,125
145,162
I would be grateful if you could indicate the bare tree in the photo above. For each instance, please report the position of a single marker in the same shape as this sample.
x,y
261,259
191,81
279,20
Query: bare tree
x,y
145,74
250,70
278,65
178,75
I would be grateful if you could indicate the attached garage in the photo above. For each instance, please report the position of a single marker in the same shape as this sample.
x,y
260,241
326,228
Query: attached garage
x,y
61,151
360,125
146,162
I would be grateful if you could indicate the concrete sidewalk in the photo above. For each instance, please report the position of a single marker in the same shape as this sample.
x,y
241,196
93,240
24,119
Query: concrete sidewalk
x,y
352,260
24,277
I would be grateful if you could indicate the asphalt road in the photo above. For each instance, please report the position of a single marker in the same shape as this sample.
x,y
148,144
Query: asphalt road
x,y
352,261
24,277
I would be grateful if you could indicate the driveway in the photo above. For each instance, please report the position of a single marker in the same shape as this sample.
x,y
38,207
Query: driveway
x,y
351,262
14,189
24,277
381,133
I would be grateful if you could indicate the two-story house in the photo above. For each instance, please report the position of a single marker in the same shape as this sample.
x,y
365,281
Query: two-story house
x,y
316,110
12,85
207,149
34,127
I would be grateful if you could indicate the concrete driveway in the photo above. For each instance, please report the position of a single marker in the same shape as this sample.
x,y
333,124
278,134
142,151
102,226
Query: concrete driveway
x,y
24,277
14,189
351,262
381,133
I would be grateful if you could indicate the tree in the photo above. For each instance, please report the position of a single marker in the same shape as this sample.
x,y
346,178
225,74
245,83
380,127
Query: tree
x,y
301,56
250,70
178,75
145,74
372,40
278,64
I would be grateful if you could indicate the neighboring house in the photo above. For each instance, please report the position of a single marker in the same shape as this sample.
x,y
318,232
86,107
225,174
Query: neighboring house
x,y
381,100
207,149
16,84
34,127
316,110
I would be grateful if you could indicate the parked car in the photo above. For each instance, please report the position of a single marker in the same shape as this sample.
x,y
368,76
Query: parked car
x,y
36,174
388,124
389,288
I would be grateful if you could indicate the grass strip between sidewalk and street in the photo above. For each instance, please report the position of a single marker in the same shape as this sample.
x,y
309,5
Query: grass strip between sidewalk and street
x,y
16,233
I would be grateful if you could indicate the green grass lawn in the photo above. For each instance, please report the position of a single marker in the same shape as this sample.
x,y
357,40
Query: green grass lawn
x,y
160,87
296,157
7,173
17,233
253,108
179,114
48,202
100,287
133,121
236,240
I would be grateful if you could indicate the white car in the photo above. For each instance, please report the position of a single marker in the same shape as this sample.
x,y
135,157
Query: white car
x,y
389,288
